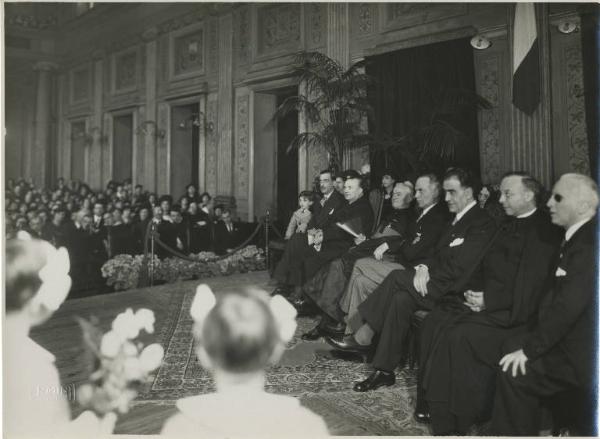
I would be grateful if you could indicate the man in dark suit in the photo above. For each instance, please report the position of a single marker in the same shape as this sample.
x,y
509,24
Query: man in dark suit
x,y
288,271
227,234
388,310
559,352
461,339
329,284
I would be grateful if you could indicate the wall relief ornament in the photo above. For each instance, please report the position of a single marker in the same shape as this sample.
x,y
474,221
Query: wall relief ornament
x,y
316,23
241,146
213,47
489,147
241,35
81,85
125,70
578,154
400,15
189,53
279,27
211,149
365,18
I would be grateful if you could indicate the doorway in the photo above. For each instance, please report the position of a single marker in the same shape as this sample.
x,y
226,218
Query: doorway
x,y
122,147
78,150
275,170
185,154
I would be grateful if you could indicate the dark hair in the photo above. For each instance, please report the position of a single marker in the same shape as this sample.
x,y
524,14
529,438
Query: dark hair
x,y
205,193
191,185
327,171
530,183
139,186
355,175
434,180
176,208
393,174
309,195
466,178
240,333
165,198
24,260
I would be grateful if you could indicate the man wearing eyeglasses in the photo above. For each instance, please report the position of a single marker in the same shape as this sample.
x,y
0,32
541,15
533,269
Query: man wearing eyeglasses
x,y
559,352
461,339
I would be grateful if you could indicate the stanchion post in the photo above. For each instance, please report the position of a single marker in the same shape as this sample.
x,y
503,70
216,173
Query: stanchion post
x,y
267,224
152,229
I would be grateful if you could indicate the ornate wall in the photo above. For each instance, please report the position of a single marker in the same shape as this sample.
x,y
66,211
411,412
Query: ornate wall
x,y
143,58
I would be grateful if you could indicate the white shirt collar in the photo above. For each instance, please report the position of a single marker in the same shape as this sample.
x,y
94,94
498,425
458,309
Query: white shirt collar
x,y
326,196
525,215
462,213
571,230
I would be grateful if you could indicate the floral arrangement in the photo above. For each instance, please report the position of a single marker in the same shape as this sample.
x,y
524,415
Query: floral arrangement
x,y
122,363
123,271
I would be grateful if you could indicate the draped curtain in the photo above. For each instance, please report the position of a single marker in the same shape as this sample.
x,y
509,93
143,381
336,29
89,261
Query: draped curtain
x,y
406,93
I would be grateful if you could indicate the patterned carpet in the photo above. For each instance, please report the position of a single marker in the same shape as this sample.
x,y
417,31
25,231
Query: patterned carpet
x,y
308,370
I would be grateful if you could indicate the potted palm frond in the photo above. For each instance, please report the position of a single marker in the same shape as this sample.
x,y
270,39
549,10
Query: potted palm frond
x,y
334,101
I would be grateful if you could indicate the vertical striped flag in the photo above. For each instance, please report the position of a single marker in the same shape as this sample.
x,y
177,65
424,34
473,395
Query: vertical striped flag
x,y
526,59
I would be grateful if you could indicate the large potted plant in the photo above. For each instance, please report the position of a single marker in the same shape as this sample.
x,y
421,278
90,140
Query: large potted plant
x,y
334,102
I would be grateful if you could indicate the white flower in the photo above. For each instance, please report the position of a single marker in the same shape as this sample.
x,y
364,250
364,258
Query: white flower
x,y
285,317
110,344
126,325
85,394
132,369
129,349
204,301
151,357
145,319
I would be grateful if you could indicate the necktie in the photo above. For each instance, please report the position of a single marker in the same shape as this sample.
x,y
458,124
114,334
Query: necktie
x,y
455,220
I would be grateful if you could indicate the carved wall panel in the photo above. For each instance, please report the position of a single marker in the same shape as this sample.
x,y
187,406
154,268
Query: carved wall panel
x,y
242,139
489,120
211,147
315,13
80,85
578,146
188,53
363,18
401,15
278,28
162,159
125,71
241,35
213,47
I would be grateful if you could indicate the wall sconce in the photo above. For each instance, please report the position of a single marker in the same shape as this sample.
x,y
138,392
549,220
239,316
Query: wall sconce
x,y
480,42
567,27
147,126
197,120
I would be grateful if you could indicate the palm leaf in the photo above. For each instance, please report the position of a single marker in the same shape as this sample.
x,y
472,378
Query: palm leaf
x,y
298,104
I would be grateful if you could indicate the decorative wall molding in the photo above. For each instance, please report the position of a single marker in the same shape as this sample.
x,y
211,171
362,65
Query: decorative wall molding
x,y
489,120
241,36
316,19
578,147
125,71
213,47
402,15
211,147
242,133
186,52
278,28
81,84
364,18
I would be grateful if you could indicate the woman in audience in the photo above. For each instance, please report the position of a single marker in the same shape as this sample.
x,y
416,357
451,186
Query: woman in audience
x,y
37,282
205,203
200,229
237,337
191,193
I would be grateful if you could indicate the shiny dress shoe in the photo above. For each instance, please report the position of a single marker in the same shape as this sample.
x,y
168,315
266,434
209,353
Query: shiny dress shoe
x,y
334,329
348,344
312,335
376,380
304,307
423,417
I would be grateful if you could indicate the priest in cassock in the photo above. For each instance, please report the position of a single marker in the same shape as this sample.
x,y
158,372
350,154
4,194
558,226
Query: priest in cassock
x,y
389,309
559,352
327,286
288,271
461,339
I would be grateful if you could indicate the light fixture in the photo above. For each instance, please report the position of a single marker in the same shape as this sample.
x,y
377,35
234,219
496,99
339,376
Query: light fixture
x,y
567,27
480,42
196,120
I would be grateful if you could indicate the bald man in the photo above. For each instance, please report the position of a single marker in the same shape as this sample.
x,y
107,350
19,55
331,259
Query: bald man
x,y
559,352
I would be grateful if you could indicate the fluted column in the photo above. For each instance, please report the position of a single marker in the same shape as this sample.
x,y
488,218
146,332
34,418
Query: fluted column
x,y
225,99
42,124
338,35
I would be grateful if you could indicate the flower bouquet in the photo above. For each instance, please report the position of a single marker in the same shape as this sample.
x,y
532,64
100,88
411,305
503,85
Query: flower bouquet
x,y
122,364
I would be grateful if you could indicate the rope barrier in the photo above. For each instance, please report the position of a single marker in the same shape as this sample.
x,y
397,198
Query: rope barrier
x,y
147,274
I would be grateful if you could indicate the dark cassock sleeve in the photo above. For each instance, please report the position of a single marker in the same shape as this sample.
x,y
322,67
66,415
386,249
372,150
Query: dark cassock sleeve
x,y
572,296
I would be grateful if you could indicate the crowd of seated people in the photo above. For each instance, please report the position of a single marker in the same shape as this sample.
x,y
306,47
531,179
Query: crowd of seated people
x,y
506,312
96,226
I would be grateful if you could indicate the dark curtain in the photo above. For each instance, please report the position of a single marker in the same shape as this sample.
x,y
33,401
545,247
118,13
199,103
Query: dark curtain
x,y
407,90
590,47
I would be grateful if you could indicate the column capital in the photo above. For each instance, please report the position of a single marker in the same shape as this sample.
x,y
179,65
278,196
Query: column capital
x,y
45,66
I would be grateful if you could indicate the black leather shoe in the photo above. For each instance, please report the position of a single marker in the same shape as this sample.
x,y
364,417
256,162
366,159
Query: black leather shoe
x,y
376,380
312,335
348,344
304,307
334,329
423,417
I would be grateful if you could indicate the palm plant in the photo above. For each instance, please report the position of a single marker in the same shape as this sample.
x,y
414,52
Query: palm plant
x,y
335,103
